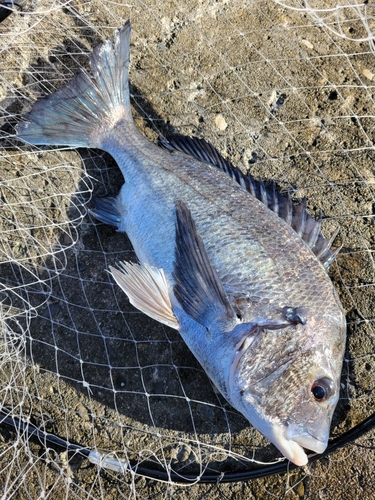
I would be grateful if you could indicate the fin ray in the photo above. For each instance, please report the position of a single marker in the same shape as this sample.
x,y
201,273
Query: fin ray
x,y
147,290
81,113
197,285
296,215
106,211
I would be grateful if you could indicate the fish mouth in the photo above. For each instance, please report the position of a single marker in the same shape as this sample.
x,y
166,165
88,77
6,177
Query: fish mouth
x,y
310,443
298,440
316,440
292,441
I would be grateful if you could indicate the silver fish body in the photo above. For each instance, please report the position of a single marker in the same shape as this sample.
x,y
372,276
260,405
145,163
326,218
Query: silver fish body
x,y
250,296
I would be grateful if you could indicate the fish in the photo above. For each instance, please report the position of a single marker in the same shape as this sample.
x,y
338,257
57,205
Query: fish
x,y
237,268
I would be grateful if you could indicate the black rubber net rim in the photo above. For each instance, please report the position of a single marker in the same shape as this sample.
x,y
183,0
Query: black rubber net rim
x,y
47,439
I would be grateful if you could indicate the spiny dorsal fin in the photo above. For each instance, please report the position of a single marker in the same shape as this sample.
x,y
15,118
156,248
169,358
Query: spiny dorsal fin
x,y
296,215
147,289
197,287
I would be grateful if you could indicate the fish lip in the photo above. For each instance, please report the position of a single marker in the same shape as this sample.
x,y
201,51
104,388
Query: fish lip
x,y
291,450
311,443
293,441
316,442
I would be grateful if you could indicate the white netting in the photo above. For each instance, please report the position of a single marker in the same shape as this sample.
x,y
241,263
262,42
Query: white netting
x,y
279,93
350,20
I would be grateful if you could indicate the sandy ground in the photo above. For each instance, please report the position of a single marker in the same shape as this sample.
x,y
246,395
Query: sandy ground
x,y
282,97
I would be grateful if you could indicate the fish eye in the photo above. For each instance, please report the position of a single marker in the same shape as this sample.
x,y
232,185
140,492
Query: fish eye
x,y
322,389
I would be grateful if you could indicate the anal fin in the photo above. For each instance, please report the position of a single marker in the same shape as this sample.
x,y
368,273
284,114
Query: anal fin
x,y
106,211
147,290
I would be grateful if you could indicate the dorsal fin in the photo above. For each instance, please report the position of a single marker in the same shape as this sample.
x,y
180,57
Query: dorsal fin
x,y
295,214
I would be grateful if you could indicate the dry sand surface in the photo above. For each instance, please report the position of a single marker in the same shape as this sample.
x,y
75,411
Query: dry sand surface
x,y
283,98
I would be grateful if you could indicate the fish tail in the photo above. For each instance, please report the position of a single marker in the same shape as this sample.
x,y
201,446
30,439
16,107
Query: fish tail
x,y
82,113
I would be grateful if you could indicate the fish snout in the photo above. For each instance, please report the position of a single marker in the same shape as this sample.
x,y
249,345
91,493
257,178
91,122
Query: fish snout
x,y
315,439
292,440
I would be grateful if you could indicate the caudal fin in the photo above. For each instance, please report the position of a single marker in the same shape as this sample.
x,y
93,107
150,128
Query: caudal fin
x,y
82,113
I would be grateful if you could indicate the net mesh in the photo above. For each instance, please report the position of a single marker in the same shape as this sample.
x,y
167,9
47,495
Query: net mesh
x,y
286,90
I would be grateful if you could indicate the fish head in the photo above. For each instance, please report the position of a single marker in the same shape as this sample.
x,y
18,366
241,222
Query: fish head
x,y
289,392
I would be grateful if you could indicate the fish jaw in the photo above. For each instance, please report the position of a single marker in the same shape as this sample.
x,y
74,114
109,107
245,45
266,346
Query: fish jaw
x,y
291,449
292,441
305,426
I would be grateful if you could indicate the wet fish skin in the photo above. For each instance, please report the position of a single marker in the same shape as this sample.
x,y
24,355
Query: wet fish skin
x,y
217,263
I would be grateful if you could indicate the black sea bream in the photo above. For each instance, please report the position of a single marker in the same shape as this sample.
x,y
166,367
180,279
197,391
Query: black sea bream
x,y
239,270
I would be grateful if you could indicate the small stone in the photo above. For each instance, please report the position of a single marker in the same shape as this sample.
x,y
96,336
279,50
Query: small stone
x,y
368,74
308,44
300,489
159,388
220,122
207,413
184,453
51,310
82,412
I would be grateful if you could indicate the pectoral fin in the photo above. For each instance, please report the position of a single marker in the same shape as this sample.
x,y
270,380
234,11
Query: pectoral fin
x,y
197,287
147,290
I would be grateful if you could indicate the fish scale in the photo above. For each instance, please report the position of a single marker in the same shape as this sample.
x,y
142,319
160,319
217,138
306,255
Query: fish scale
x,y
275,267
237,269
